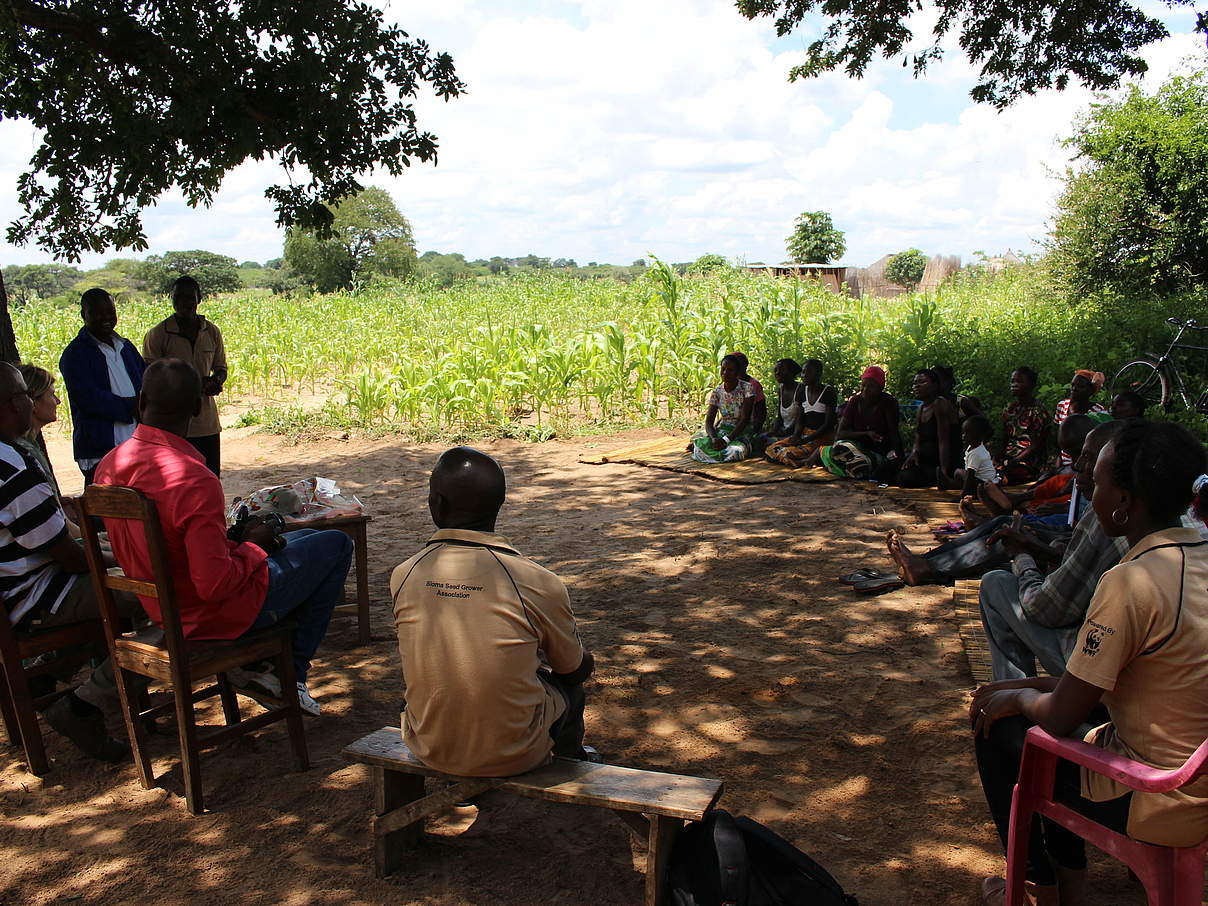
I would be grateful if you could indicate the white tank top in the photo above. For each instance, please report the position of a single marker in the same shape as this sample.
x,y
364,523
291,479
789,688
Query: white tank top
x,y
816,405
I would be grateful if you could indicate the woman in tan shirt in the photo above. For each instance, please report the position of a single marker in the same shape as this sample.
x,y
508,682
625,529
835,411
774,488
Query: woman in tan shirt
x,y
1142,652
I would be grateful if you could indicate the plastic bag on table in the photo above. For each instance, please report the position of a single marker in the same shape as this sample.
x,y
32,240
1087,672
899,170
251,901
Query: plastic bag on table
x,y
303,501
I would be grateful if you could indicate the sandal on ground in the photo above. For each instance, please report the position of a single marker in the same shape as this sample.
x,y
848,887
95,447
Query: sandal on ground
x,y
862,574
878,584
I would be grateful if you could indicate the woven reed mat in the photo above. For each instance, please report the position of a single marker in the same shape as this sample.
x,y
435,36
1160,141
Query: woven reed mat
x,y
973,636
668,453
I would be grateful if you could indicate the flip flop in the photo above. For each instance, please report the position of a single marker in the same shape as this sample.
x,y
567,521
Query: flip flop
x,y
953,526
863,574
878,585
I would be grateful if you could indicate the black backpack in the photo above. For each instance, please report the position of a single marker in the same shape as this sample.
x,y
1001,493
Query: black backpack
x,y
729,861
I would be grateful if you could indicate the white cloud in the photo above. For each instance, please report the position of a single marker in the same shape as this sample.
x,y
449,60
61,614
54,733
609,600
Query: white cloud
x,y
609,129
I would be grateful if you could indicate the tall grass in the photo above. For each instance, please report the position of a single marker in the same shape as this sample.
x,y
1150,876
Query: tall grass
x,y
542,349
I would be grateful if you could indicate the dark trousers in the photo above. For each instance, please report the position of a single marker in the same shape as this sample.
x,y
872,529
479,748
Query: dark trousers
x,y
1049,844
210,448
89,474
567,731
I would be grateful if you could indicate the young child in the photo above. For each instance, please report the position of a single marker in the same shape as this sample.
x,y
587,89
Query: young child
x,y
976,432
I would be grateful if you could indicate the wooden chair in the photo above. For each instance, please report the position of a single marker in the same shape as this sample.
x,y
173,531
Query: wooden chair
x,y
1172,875
165,656
18,705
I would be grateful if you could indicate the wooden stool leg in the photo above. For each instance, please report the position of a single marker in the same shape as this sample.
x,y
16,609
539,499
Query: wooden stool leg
x,y
284,660
230,701
190,754
361,553
11,728
663,831
132,693
392,789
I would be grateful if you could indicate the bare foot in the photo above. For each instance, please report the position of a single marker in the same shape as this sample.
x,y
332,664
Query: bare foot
x,y
913,568
969,513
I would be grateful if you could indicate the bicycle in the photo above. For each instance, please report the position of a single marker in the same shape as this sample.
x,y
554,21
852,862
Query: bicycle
x,y
1157,377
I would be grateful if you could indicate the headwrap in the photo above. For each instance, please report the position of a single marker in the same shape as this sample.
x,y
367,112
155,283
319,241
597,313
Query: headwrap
x,y
876,373
1199,484
1095,377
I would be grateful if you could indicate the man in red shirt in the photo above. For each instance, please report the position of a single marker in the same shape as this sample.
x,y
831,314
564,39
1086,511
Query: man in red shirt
x,y
224,589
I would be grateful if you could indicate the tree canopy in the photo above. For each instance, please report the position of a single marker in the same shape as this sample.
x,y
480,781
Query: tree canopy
x,y
1022,46
369,236
137,97
906,268
815,240
215,273
1133,217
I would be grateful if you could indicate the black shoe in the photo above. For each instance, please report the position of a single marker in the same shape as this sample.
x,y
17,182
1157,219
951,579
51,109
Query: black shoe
x,y
84,725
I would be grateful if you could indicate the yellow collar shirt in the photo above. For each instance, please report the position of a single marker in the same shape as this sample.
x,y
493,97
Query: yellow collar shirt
x,y
1145,641
476,621
207,354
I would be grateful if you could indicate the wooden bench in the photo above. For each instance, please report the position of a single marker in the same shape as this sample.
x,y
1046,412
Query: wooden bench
x,y
652,804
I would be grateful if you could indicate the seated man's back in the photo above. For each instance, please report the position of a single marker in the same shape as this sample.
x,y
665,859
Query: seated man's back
x,y
478,624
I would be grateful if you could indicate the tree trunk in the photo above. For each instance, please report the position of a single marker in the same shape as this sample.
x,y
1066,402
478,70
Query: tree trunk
x,y
8,340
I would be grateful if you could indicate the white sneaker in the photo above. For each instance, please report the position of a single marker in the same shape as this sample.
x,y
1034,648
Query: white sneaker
x,y
306,701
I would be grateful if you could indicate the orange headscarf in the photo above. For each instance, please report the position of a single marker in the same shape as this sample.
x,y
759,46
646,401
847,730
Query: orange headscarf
x,y
1095,377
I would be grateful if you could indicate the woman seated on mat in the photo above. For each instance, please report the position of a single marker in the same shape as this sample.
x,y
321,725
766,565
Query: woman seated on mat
x,y
1083,387
728,430
759,406
937,437
1140,651
41,386
869,427
814,426
967,406
786,372
1025,431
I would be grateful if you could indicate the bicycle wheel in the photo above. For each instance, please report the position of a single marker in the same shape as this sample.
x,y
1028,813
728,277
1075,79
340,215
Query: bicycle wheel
x,y
1147,379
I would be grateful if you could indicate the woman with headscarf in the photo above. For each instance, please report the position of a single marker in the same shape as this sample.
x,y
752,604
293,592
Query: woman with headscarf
x,y
1083,387
868,439
1140,654
813,425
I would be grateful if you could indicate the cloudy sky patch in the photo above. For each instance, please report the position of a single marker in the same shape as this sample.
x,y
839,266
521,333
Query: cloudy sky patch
x,y
608,130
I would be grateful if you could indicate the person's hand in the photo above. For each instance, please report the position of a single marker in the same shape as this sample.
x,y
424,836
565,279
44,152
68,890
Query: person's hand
x,y
211,386
990,704
875,437
71,508
1014,540
261,533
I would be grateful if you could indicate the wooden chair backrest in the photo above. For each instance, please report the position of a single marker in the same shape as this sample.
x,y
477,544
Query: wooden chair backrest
x,y
111,502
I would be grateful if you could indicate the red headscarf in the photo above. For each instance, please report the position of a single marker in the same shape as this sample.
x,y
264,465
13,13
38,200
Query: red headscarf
x,y
876,373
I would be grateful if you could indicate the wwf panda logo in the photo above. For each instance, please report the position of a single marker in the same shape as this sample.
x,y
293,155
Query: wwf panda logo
x,y
1094,638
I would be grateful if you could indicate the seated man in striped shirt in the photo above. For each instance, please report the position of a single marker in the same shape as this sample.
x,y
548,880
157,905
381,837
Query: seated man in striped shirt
x,y
44,575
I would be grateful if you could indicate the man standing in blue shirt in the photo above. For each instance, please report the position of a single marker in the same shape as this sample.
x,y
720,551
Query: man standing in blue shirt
x,y
103,373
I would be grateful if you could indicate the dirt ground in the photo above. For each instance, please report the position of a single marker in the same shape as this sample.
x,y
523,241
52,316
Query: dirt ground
x,y
723,646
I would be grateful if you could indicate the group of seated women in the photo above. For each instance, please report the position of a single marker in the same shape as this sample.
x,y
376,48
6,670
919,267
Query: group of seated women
x,y
862,438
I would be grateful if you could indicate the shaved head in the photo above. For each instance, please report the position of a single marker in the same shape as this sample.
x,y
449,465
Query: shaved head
x,y
171,393
466,490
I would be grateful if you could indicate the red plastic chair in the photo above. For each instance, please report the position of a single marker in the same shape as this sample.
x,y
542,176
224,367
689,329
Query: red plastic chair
x,y
1172,875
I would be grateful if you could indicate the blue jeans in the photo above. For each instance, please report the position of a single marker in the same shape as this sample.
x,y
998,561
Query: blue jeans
x,y
305,583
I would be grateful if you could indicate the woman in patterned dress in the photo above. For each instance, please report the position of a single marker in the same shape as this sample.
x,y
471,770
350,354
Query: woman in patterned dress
x,y
728,429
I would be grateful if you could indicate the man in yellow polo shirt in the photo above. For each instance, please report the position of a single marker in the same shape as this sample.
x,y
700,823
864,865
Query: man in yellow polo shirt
x,y
491,656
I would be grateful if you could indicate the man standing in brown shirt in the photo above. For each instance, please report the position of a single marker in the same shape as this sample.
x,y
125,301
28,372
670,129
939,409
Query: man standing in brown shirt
x,y
492,660
187,335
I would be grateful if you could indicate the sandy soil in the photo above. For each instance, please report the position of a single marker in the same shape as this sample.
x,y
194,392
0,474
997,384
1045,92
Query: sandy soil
x,y
724,648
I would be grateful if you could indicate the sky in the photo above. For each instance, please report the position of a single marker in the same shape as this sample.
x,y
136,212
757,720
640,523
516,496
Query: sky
x,y
611,130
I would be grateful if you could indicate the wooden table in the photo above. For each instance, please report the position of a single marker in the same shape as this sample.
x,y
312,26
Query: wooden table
x,y
355,528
